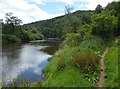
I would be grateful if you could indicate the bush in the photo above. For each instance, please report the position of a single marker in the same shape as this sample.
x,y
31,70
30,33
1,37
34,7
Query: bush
x,y
72,39
104,24
10,38
86,60
60,64
92,42
23,82
84,30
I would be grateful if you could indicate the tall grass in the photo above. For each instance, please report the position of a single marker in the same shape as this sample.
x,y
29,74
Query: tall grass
x,y
87,61
60,64
23,83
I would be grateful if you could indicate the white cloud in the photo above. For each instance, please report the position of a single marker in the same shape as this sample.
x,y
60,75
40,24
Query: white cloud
x,y
68,1
38,2
93,3
25,11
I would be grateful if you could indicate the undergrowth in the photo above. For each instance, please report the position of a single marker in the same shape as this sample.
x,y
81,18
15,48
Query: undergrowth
x,y
23,83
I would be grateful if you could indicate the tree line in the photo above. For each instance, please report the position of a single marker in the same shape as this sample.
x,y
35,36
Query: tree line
x,y
103,22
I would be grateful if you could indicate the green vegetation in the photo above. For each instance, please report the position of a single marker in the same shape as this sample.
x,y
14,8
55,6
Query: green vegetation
x,y
23,83
111,62
13,32
86,34
74,65
77,62
104,24
61,72
58,27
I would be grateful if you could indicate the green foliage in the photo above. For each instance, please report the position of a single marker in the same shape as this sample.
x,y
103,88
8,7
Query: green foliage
x,y
23,83
72,39
98,9
13,32
68,75
24,35
84,16
71,24
36,84
84,30
58,27
76,64
10,38
34,34
104,24
115,5
92,42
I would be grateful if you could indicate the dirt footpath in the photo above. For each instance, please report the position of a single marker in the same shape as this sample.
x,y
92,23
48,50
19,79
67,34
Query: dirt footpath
x,y
102,67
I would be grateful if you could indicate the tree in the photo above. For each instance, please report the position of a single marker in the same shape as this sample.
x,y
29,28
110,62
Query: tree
x,y
10,19
72,21
11,24
114,5
98,9
104,24
68,9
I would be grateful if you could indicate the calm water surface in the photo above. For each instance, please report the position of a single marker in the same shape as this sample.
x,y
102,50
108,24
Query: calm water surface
x,y
27,59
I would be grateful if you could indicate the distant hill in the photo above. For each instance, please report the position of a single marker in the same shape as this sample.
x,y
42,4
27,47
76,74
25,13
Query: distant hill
x,y
58,26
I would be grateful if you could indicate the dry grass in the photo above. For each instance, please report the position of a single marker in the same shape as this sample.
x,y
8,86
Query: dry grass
x,y
61,64
86,61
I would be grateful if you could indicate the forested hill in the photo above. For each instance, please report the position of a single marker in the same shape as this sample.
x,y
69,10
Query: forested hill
x,y
101,20
59,26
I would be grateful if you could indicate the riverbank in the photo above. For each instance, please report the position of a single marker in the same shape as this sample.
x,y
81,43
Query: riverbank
x,y
26,60
62,72
65,68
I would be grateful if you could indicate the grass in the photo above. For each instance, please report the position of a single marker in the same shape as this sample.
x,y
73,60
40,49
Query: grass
x,y
60,73
86,61
111,68
67,68
69,77
78,66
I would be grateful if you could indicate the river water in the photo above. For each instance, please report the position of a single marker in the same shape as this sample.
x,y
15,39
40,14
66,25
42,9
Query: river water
x,y
27,60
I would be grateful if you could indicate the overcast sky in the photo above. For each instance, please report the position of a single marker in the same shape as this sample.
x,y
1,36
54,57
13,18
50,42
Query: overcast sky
x,y
35,10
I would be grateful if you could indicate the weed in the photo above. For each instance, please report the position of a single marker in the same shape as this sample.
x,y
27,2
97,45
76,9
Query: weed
x,y
25,82
87,61
60,64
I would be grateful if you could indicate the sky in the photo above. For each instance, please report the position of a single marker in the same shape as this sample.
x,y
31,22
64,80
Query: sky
x,y
36,10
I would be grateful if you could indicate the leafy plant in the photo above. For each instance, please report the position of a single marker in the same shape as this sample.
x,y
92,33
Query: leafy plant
x,y
72,39
104,24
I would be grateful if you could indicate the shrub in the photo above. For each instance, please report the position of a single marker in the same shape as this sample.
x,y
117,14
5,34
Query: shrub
x,y
92,42
87,60
84,30
36,84
25,82
60,64
72,39
10,38
104,24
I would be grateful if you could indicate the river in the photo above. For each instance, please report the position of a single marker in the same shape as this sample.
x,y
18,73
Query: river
x,y
27,60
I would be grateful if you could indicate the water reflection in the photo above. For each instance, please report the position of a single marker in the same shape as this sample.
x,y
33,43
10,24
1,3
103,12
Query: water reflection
x,y
24,60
